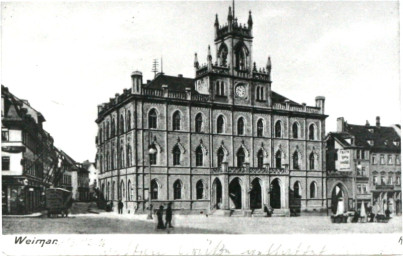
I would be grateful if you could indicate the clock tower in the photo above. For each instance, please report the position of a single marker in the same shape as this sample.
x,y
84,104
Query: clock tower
x,y
233,78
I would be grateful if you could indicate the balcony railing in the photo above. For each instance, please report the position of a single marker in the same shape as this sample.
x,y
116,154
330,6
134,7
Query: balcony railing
x,y
384,187
251,170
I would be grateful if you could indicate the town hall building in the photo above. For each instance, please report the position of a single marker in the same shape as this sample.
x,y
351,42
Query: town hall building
x,y
223,142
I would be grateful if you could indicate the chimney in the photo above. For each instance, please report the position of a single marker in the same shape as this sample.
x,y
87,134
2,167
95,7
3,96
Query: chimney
x,y
340,124
367,123
180,75
378,121
137,81
320,103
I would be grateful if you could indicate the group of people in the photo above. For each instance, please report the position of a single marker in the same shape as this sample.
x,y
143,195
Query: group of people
x,y
168,217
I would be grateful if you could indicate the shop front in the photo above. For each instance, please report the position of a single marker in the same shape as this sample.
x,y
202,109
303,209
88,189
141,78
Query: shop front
x,y
21,196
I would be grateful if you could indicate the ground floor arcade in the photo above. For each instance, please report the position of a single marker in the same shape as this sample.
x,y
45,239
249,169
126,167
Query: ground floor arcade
x,y
245,193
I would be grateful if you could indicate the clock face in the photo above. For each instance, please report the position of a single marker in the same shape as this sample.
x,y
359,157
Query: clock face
x,y
240,91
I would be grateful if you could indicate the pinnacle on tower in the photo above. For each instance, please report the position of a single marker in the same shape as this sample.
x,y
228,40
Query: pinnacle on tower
x,y
216,21
250,22
268,65
209,58
229,15
196,61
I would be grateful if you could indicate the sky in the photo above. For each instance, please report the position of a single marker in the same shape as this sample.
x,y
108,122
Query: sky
x,y
66,58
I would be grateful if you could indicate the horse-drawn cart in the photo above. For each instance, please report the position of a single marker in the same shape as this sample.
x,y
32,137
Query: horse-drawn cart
x,y
58,201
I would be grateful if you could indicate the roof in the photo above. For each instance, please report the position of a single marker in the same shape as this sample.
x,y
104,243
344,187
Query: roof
x,y
179,83
175,83
277,98
69,160
382,138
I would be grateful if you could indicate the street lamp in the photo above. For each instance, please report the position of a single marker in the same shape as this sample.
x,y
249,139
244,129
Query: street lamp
x,y
151,151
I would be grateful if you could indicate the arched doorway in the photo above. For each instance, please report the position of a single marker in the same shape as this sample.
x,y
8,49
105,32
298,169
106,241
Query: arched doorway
x,y
217,194
339,193
275,194
256,195
235,194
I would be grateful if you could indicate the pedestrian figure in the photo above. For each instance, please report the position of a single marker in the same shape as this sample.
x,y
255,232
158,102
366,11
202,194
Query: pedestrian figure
x,y
387,213
120,207
111,206
168,216
160,212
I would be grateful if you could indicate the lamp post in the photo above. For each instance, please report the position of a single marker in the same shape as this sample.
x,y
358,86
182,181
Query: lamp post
x,y
151,151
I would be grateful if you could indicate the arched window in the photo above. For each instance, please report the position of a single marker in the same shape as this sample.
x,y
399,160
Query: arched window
x,y
260,93
278,159
129,191
220,88
312,161
199,190
101,167
113,191
241,53
295,160
128,121
311,132
153,157
220,156
113,127
220,124
177,190
199,156
260,128
129,155
122,190
222,53
313,190
240,155
260,159
176,155
199,122
277,129
240,126
176,122
152,119
107,161
295,129
107,191
122,158
297,190
113,159
154,189
100,135
122,124
107,135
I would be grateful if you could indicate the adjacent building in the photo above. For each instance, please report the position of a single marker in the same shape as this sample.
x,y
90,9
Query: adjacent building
x,y
79,179
363,165
29,159
221,141
92,176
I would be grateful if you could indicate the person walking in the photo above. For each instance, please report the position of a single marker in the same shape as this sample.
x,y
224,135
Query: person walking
x,y
168,216
120,207
160,213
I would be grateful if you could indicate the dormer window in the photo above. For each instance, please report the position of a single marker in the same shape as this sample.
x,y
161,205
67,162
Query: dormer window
x,y
370,142
396,143
386,142
371,130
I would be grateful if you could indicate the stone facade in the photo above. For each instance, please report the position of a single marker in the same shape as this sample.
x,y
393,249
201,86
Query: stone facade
x,y
222,141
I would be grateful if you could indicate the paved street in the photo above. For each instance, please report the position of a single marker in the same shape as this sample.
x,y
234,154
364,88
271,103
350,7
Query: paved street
x,y
131,224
